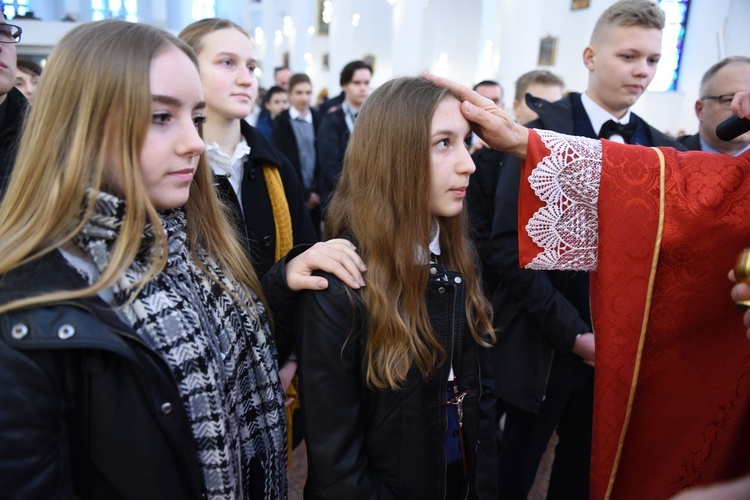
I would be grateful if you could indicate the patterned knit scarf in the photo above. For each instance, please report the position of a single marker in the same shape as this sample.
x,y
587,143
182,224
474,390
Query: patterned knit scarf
x,y
223,359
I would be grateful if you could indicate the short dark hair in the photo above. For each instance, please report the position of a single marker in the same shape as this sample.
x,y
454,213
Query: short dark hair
x,y
279,68
348,72
29,66
488,83
541,76
273,91
298,78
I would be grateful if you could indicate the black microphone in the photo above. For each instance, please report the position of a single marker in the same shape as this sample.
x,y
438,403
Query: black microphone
x,y
732,127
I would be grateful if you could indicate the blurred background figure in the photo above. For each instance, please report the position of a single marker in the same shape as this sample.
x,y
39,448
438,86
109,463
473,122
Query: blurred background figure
x,y
539,83
27,77
718,86
275,102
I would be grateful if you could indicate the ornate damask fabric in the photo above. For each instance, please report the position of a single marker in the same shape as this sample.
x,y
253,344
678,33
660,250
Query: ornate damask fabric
x,y
672,391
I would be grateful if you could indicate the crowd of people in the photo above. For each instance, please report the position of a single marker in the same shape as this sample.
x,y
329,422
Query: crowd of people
x,y
194,279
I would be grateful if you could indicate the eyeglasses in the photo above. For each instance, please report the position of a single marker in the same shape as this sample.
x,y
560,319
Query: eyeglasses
x,y
10,33
725,101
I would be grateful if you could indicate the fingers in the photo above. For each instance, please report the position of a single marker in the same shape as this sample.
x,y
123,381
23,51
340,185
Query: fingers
x,y
460,91
338,257
740,291
741,104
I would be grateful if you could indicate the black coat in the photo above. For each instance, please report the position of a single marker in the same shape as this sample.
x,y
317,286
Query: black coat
x,y
538,313
692,142
333,137
365,443
10,133
87,410
286,142
480,203
92,412
257,226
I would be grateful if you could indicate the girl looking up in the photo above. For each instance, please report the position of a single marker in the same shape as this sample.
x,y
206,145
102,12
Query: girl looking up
x,y
391,374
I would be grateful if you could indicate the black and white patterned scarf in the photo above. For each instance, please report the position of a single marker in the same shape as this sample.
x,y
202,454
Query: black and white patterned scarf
x,y
224,359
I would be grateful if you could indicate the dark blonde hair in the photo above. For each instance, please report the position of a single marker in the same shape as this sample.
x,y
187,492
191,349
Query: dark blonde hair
x,y
193,33
626,13
92,110
382,202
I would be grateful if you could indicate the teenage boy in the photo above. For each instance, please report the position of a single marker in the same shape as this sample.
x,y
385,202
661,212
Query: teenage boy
x,y
294,134
12,102
546,351
337,125
718,86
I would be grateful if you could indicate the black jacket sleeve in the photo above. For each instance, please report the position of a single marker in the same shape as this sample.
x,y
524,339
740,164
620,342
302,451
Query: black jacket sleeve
x,y
528,292
34,450
331,392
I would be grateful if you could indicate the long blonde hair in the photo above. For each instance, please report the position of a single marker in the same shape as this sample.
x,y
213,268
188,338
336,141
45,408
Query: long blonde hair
x,y
382,201
93,109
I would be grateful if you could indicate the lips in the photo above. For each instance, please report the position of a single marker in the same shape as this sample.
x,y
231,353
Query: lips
x,y
186,174
634,88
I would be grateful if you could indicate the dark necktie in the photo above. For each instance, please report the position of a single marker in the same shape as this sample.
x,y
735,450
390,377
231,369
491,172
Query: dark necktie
x,y
612,127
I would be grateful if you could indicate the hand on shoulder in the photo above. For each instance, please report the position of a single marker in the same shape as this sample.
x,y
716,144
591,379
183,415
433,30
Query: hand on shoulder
x,y
338,257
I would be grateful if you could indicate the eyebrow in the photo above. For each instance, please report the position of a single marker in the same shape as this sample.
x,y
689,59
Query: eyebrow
x,y
173,101
448,132
232,54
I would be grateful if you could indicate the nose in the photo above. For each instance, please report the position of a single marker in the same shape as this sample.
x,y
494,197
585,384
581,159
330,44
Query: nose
x,y
245,76
640,68
465,163
191,144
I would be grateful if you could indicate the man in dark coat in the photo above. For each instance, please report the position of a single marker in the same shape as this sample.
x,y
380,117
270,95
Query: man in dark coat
x,y
718,86
294,134
337,125
12,108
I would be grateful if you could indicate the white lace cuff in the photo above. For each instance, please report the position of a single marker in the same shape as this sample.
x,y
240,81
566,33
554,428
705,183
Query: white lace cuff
x,y
567,180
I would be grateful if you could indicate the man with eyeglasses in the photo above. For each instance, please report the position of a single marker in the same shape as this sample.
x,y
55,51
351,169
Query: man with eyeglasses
x,y
12,102
718,86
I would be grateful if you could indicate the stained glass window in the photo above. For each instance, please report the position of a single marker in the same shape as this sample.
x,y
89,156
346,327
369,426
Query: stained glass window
x,y
114,9
13,9
676,12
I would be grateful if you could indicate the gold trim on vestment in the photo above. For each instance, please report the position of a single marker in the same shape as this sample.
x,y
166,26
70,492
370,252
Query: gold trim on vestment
x,y
644,325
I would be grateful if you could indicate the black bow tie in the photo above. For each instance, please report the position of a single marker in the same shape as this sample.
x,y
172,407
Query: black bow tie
x,y
612,127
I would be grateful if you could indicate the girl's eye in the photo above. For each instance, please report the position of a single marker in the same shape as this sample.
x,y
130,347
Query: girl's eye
x,y
198,121
160,118
226,62
443,143
467,142
251,68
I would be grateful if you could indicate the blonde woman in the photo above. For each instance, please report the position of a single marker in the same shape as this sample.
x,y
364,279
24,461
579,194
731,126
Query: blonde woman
x,y
391,375
135,350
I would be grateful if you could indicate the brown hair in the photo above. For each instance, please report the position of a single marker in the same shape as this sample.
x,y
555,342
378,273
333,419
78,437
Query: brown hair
x,y
382,202
540,76
193,33
298,78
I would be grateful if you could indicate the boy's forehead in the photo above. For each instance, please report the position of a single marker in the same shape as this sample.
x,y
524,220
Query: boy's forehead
x,y
631,35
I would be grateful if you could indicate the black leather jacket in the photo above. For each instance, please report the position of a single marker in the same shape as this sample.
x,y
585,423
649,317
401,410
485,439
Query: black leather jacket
x,y
87,410
364,443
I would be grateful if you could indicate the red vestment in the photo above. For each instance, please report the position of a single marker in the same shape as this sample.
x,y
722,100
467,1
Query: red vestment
x,y
672,388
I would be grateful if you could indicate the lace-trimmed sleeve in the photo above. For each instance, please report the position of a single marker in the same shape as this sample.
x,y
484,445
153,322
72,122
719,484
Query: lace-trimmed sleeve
x,y
567,182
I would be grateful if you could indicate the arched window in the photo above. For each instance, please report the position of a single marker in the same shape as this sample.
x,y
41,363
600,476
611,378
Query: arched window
x,y
203,9
671,49
13,9
114,9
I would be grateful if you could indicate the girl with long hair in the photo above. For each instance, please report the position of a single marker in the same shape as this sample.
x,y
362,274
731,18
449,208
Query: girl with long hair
x,y
136,355
391,375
